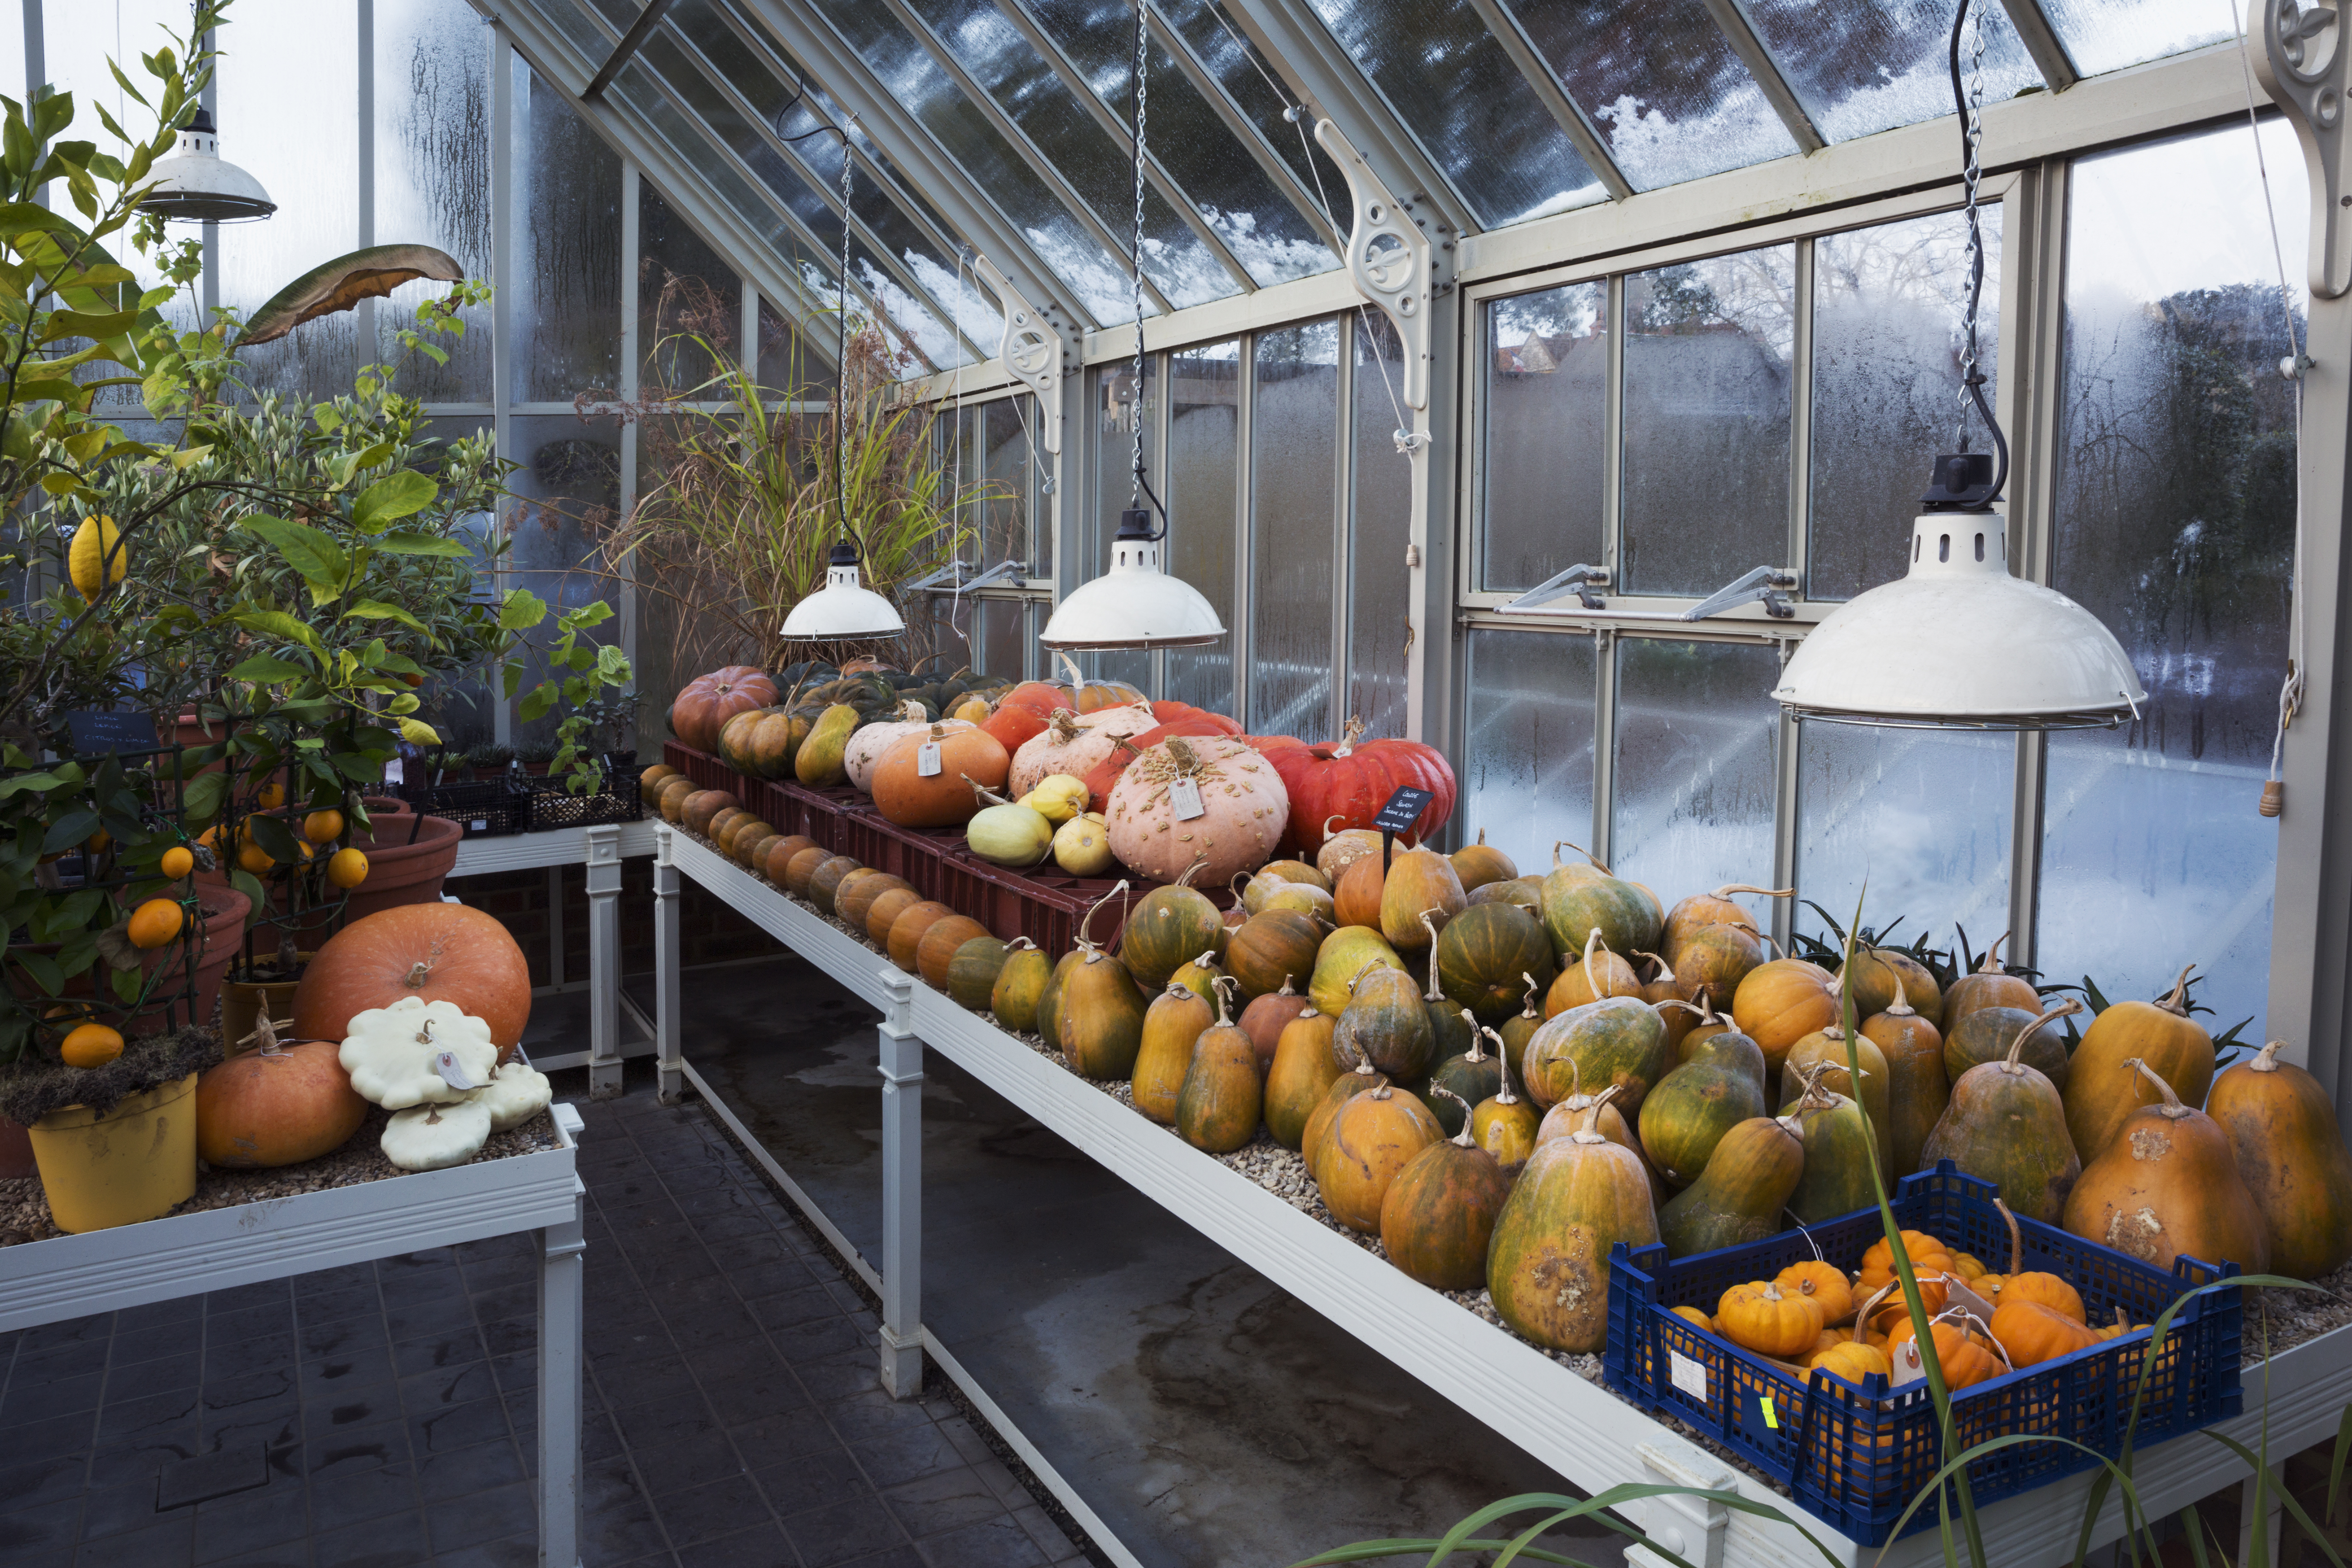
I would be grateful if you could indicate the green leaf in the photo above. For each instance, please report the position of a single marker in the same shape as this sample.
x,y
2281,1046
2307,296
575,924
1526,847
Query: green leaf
x,y
245,882
22,782
279,624
418,732
376,610
422,545
42,968
201,798
69,831
520,610
76,952
320,559
393,496
535,706
274,837
267,671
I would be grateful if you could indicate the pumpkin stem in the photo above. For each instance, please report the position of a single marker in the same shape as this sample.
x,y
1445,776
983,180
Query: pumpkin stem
x,y
1357,979
1180,750
1478,1032
1328,833
1767,937
982,793
1592,973
1065,725
2016,1239
1730,888
1286,990
1348,735
1221,985
1581,849
1529,1010
2177,1002
1666,974
1901,1006
2266,1059
1017,943
2170,1108
1590,1132
2010,1065
1185,877
417,975
1463,1138
1085,941
1991,965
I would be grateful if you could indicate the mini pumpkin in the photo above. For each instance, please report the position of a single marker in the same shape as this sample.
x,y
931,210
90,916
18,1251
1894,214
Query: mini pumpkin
x,y
1825,1283
1763,1317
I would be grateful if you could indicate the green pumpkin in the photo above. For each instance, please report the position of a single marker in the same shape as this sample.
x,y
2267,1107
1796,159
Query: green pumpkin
x,y
1217,1108
1451,1030
1470,1078
1579,900
1696,1104
2006,1124
1385,1022
1271,949
1548,1264
1438,1216
1484,955
1824,1051
1837,1177
1049,1001
1340,958
1020,988
1099,1017
1525,892
1618,1040
1985,1035
1168,926
972,972
1740,1196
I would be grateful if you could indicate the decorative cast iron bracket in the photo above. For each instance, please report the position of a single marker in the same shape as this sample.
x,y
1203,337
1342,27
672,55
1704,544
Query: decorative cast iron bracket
x,y
1389,261
1031,350
2301,58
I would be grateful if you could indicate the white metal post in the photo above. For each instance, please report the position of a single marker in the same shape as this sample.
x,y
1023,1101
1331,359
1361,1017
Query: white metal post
x,y
560,1362
363,316
902,1190
603,961
671,1081
504,278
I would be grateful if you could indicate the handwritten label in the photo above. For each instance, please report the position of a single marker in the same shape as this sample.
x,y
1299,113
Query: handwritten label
x,y
1402,810
1686,1375
94,732
452,1071
1184,799
926,760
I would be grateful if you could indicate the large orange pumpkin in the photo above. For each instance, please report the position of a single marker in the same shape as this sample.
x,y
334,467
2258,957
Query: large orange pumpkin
x,y
438,951
276,1106
905,795
705,704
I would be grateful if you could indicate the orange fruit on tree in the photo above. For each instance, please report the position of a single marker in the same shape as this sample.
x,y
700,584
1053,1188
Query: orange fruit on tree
x,y
177,862
271,797
90,1046
97,842
156,922
253,858
324,826
347,868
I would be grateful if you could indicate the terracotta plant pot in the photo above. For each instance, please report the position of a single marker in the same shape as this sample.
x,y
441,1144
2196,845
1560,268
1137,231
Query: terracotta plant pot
x,y
218,940
408,860
15,1151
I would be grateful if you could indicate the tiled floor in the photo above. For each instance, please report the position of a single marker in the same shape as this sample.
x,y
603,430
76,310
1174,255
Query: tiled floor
x,y
734,1414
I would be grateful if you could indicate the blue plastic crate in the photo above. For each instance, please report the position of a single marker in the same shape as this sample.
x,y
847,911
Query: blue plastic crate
x,y
1855,1457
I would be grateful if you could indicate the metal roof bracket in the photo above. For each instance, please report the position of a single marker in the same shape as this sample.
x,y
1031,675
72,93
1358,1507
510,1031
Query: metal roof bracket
x,y
1389,261
1032,350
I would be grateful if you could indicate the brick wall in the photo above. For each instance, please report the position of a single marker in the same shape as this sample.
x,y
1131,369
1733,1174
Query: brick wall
x,y
708,931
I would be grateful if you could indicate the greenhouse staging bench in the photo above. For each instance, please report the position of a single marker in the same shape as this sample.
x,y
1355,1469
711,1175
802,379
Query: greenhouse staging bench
x,y
1566,1421
218,1249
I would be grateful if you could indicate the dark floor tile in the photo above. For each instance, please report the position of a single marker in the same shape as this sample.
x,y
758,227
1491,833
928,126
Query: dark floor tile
x,y
457,1427
622,1532
840,1377
696,1175
347,1451
234,1358
271,1388
892,1557
115,1509
782,1434
627,1382
154,1326
761,1546
70,1358
29,1403
447,1313
445,1386
228,1432
684,1413
757,1396
514,1551
949,1499
328,1378
1049,1536
511,1300
792,1309
183,1369
504,1268
464,1471
816,1341
395,1541
482,1516
225,1472
405,1288
242,1529
169,1542
868,1415
995,1544
340,1339
94,1329
27,1483
339,1501
435,1351
906,1454
647,1338
31,1535
815,1479
509,1335
228,1326
244,1297
518,1372
828,1536
130,1420
680,1464
322,1282
707,1512
142,1461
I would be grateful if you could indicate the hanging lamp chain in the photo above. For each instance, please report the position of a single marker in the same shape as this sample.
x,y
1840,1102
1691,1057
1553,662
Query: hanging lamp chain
x,y
1972,174
841,354
1135,407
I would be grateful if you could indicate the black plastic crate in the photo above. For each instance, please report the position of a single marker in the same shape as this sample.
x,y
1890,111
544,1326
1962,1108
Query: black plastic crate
x,y
552,805
489,809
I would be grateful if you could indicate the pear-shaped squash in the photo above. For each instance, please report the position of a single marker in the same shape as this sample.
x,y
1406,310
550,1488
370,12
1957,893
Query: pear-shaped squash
x,y
907,932
1356,896
1219,1104
1917,1088
1469,1077
1200,974
1521,1026
1987,986
2168,1185
1483,955
1838,1157
1985,1034
1825,1050
1020,986
1372,1137
1597,975
1740,1197
1693,1106
2101,1091
1576,899
1875,980
2007,1125
1168,926
1421,882
1171,1025
1521,892
1780,1002
1701,910
1574,1111
972,973
1265,1019
1658,989
942,940
1344,1088
1301,1074
1710,963
1505,1125
1481,863
1340,958
884,911
1385,1022
2281,1127
1439,1213
1049,1000
1272,950
1548,1266
1919,991
1620,1041
1099,1017
1453,1028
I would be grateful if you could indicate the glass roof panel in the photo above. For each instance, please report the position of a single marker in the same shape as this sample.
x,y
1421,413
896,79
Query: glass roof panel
x,y
1864,66
1001,62
2108,35
1659,79
1226,55
1451,82
914,79
1265,232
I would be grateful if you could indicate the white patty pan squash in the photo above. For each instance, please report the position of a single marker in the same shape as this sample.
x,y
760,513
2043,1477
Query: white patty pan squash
x,y
516,1095
389,1052
435,1137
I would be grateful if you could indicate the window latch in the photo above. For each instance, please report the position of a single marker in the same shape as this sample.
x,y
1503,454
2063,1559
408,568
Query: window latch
x,y
1584,581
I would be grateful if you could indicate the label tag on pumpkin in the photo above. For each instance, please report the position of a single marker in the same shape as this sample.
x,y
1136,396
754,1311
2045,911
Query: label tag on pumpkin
x,y
1402,809
453,1073
1908,1366
1184,799
1686,1375
1958,1294
926,760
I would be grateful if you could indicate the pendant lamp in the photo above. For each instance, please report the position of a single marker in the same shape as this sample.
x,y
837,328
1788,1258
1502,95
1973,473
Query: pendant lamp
x,y
1957,642
196,185
1135,605
843,608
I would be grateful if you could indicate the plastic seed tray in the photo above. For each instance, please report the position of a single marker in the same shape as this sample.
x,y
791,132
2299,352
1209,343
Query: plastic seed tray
x,y
1855,1455
487,809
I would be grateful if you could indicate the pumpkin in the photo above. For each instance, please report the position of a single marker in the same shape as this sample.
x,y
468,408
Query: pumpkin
x,y
1371,1138
1851,1361
1619,1042
2166,1186
1989,985
1345,783
2280,1124
1266,1016
1964,1357
768,742
1763,1317
1082,846
1006,832
2007,1125
1028,708
801,867
750,849
1658,989
671,800
649,781
885,911
1985,1034
435,953
1520,892
1340,849
1917,1087
1919,988
2020,1284
972,972
853,901
1521,1026
868,744
1599,974
821,758
1417,897
1505,1125
1218,1105
1699,910
941,940
1579,899
1098,1016
909,797
1548,1264
1340,958
1738,1197
1439,1213
1167,927
277,1105
1780,1002
826,877
1244,809
1356,898
1824,1053
1342,1089
780,854
1049,1001
1176,1018
1875,980
392,1053
1838,1157
1476,864
703,807
1020,981
1200,975
2032,1333
1099,779
1385,1022
708,702
1695,1105
1072,743
1566,1116
1275,875
1928,1254
2101,1091
1300,899
1299,1076
1471,1078
733,737
907,931
1824,1283
1273,950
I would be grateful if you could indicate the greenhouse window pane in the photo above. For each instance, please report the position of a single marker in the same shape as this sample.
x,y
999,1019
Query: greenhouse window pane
x,y
1527,760
908,73
687,297
1452,83
1243,74
1545,416
1864,66
2175,525
1661,83
1707,397
1922,816
1380,529
1203,510
433,176
1697,736
2108,35
566,301
1000,638
1268,236
1294,470
1025,87
567,493
1012,463
793,364
1887,304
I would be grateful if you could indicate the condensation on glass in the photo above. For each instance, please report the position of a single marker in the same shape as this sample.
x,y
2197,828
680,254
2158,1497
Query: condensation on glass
x,y
1696,743
2108,35
1528,735
1545,429
1294,487
1661,84
433,177
690,306
1248,81
1708,389
1001,636
1380,528
78,40
2175,525
566,498
1887,303
1865,65
565,299
1204,390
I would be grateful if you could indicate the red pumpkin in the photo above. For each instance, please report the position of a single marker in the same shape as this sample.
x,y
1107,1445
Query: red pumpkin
x,y
1174,712
439,952
1024,713
276,1106
1343,784
703,708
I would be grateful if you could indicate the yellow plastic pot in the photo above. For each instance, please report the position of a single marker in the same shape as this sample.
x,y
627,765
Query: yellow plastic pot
x,y
137,1162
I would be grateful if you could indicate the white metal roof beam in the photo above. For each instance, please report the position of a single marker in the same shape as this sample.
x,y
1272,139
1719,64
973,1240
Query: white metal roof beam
x,y
909,143
1171,190
1245,131
1731,20
2041,42
1503,24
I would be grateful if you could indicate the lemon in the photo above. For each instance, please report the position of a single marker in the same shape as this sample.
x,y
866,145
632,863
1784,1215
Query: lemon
x,y
95,549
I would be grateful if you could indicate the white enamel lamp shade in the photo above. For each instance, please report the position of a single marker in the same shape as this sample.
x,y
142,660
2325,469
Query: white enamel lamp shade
x,y
1959,642
1134,605
843,608
196,185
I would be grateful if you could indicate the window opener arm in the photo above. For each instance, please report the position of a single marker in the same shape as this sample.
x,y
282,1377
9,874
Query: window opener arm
x,y
1584,581
950,578
1768,584
1032,352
